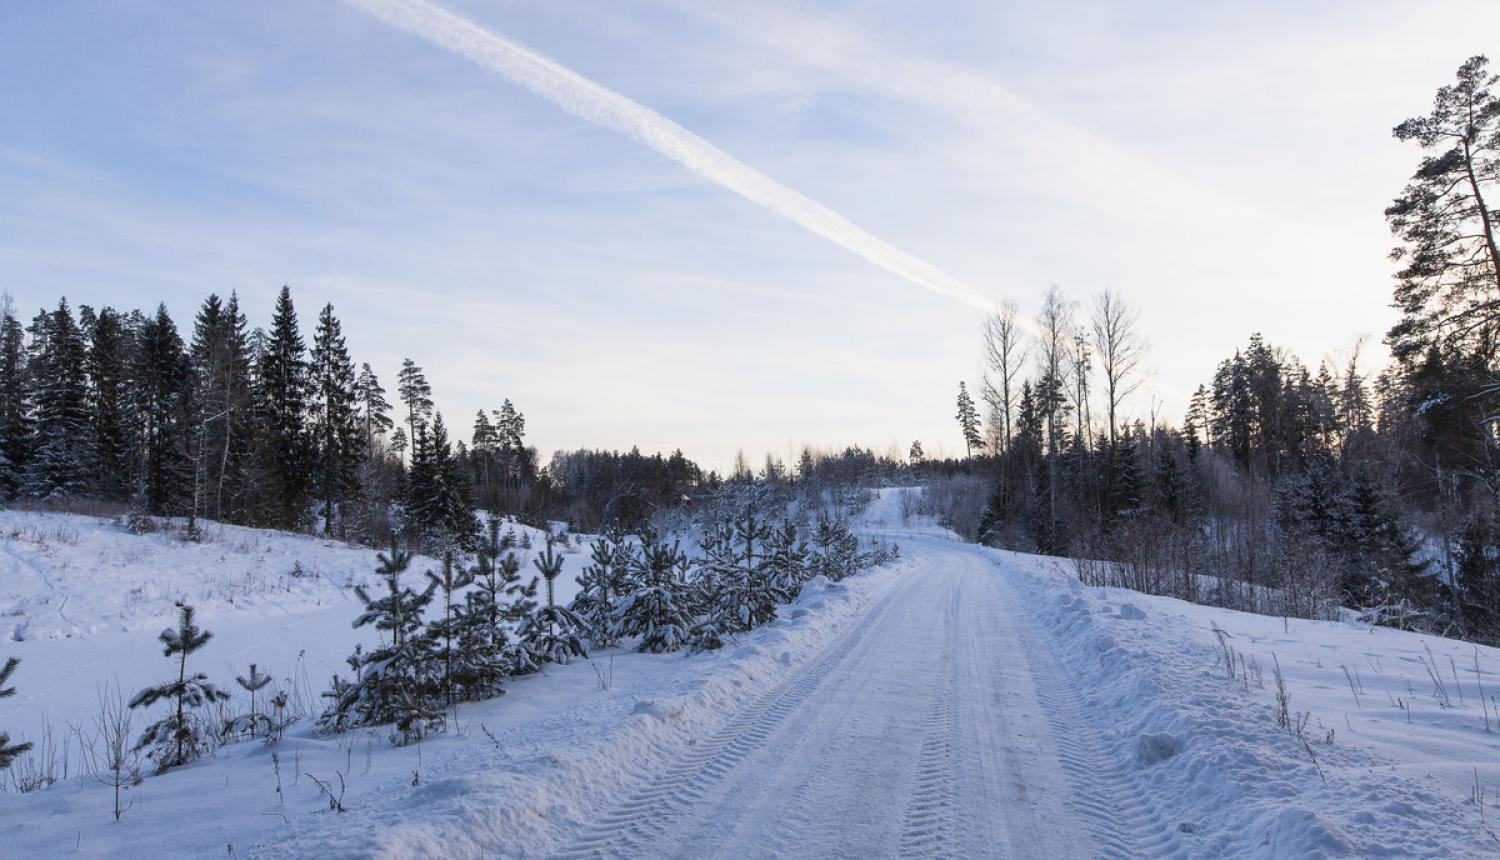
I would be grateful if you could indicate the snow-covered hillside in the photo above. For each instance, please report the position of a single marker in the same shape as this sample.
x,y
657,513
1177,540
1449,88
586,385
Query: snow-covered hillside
x,y
961,702
81,602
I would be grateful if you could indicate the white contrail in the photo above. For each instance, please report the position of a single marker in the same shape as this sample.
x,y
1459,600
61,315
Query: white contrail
x,y
604,107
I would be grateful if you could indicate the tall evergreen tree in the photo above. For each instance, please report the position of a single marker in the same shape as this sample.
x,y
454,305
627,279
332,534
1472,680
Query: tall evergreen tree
x,y
285,456
416,396
338,443
374,409
162,397
109,364
15,404
1447,219
968,421
63,464
225,407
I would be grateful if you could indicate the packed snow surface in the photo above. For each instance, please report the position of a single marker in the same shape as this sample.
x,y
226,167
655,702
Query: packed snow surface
x,y
961,702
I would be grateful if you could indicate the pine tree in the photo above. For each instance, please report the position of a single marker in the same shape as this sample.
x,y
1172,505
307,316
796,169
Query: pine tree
x,y
514,458
745,594
522,594
786,566
602,583
552,632
177,739
63,463
484,642
1447,228
656,610
285,457
337,444
968,421
391,681
254,722
915,455
484,444
416,395
8,750
446,633
374,409
835,549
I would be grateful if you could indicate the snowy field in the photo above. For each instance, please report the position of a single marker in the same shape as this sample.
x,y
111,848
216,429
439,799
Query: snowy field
x,y
961,702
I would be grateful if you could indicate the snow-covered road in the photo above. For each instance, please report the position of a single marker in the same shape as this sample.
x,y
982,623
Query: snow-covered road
x,y
937,726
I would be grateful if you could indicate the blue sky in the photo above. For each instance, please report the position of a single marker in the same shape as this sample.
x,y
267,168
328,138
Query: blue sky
x,y
1224,166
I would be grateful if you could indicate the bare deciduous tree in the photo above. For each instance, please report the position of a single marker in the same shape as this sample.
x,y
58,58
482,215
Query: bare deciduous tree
x,y
1120,349
1004,356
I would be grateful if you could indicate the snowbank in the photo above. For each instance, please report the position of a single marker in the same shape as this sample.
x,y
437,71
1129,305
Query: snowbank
x,y
1367,779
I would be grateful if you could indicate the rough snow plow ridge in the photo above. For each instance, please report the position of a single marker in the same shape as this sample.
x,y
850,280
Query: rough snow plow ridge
x,y
1105,795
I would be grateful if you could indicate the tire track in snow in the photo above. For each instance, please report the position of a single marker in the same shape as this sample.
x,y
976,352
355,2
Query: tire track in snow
x,y
927,828
1106,795
650,812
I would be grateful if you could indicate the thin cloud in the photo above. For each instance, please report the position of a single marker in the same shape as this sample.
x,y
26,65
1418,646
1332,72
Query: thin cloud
x,y
599,105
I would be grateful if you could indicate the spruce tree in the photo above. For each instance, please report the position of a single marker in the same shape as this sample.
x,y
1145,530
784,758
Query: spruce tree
x,y
1478,581
109,376
337,443
177,739
439,506
225,406
162,398
285,460
15,405
63,464
8,750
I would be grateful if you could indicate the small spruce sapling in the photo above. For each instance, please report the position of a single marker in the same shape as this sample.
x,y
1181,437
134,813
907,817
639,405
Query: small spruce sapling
x,y
176,739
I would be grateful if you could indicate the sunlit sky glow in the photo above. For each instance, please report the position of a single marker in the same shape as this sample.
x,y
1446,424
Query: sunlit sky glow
x,y
1224,166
